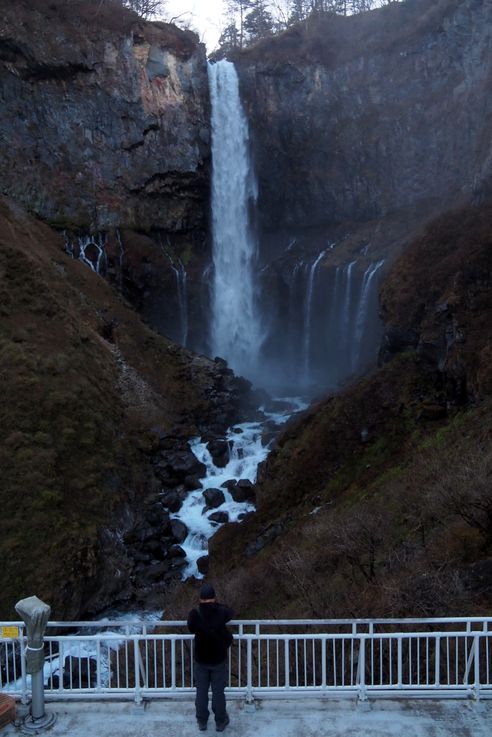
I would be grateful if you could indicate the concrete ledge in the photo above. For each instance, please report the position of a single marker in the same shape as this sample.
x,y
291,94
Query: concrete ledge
x,y
287,718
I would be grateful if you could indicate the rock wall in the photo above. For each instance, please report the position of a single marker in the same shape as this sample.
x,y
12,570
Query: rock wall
x,y
104,117
362,116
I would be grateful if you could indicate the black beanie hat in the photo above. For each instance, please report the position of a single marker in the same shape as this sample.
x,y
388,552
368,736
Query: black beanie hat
x,y
207,592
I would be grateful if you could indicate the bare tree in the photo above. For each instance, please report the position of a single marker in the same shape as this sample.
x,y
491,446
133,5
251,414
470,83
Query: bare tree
x,y
146,8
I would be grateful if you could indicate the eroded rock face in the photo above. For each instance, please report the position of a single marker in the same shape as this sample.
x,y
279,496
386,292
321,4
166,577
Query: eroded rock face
x,y
104,117
359,117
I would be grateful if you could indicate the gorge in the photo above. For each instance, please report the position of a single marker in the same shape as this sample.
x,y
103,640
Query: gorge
x,y
315,205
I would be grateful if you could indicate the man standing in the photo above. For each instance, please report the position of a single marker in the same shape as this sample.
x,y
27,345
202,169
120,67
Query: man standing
x,y
212,639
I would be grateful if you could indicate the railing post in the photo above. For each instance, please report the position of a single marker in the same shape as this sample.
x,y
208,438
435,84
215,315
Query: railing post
x,y
324,645
362,670
400,662
438,662
98,666
136,667
287,663
173,664
24,697
476,685
249,672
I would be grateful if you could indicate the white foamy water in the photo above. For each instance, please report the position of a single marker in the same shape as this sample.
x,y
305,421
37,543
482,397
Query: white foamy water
x,y
246,453
235,325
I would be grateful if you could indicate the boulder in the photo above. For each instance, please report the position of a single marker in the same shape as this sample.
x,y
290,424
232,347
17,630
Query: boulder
x,y
179,530
176,551
156,571
203,564
142,532
192,482
172,500
219,450
213,498
244,491
183,463
229,484
157,549
220,517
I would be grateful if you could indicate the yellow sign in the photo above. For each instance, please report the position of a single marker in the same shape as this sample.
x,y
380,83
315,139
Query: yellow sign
x,y
11,633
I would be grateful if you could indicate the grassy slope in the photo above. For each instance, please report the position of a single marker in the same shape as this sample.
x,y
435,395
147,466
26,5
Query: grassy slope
x,y
74,420
400,523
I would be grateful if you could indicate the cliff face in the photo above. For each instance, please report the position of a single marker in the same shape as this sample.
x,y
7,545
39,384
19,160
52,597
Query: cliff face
x,y
363,116
104,118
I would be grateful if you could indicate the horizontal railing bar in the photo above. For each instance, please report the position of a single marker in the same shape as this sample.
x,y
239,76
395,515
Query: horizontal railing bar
x,y
262,622
108,637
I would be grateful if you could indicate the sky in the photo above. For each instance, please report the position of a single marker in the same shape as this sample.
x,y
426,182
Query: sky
x,y
204,16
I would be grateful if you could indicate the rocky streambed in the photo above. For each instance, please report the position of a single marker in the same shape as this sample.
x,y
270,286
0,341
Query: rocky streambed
x,y
206,482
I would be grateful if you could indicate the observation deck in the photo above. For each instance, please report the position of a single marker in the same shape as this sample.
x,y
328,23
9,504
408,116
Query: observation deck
x,y
376,678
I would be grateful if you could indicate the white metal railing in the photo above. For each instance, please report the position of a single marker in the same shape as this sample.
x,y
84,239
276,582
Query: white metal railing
x,y
399,658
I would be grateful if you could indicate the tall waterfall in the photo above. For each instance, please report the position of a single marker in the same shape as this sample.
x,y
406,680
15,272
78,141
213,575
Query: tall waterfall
x,y
235,325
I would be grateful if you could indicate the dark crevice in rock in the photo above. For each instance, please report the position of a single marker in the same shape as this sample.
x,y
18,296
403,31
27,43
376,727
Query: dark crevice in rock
x,y
152,128
178,184
59,73
11,51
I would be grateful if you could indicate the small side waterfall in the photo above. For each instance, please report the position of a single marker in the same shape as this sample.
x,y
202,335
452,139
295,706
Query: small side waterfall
x,y
308,313
90,249
235,324
363,311
357,291
181,276
323,323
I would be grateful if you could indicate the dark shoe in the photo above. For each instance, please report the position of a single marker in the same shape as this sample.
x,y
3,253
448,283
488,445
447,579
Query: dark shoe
x,y
220,726
202,726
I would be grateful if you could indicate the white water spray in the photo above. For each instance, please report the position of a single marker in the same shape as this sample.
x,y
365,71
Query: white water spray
x,y
235,325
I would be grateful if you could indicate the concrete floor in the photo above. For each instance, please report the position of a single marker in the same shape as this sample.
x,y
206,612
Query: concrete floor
x,y
301,718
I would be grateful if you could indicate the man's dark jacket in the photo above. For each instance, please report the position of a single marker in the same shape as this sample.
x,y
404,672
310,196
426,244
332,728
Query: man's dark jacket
x,y
212,638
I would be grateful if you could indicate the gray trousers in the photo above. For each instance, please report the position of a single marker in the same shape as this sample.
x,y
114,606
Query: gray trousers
x,y
206,676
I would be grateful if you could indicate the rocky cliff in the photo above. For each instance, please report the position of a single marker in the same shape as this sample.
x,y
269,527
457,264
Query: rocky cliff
x,y
104,117
363,116
104,123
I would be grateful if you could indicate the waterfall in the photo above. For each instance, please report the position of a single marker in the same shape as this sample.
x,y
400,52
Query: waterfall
x,y
119,240
362,311
180,273
307,314
235,326
346,341
90,249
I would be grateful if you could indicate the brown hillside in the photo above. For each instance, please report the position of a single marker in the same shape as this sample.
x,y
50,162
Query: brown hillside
x,y
83,381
